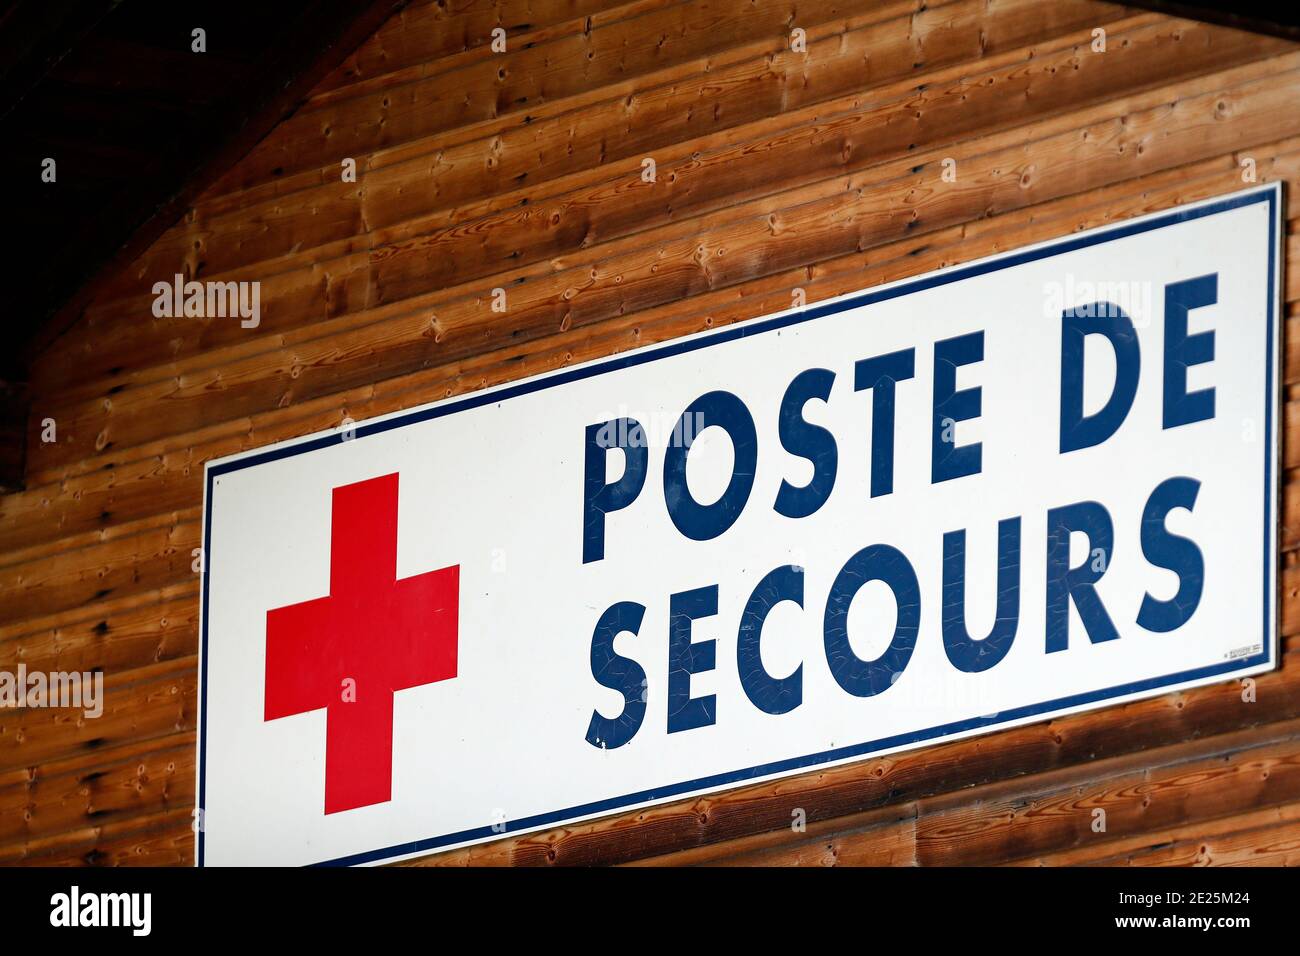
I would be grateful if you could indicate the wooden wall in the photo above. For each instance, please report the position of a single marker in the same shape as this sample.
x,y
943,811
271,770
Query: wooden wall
x,y
521,170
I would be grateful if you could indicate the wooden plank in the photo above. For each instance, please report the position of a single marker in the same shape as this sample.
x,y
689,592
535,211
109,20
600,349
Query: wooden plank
x,y
287,184
172,479
160,555
66,619
98,503
1117,852
1007,23
883,837
452,175
111,639
1199,780
1274,844
1074,741
131,786
530,76
75,762
434,33
246,338
111,531
295,298
911,255
163,839
426,39
1003,179
146,703
139,562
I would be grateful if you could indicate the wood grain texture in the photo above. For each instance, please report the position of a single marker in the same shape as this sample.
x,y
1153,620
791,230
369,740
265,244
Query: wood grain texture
x,y
776,171
309,218
1073,809
751,240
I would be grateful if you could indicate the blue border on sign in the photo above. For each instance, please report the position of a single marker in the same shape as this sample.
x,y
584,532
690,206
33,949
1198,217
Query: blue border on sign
x,y
641,357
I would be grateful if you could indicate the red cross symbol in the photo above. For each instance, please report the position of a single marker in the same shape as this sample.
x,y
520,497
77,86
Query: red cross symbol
x,y
351,651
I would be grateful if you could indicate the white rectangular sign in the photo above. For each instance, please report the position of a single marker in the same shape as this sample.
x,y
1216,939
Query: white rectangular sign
x,y
1032,485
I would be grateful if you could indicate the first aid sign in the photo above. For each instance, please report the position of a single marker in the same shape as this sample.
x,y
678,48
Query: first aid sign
x,y
1032,485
